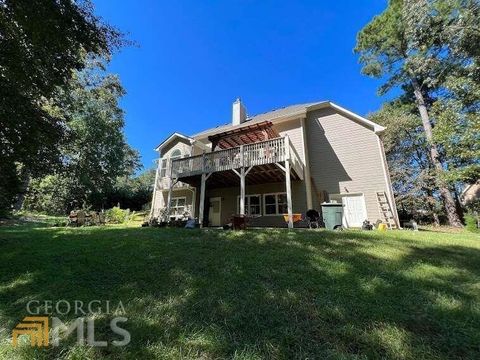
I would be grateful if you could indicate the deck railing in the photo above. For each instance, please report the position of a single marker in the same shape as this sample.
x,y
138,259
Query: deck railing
x,y
296,163
259,153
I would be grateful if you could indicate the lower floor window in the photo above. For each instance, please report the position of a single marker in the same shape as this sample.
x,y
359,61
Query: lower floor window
x,y
177,206
252,205
275,204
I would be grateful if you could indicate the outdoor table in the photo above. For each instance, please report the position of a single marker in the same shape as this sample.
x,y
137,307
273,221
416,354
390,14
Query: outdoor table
x,y
295,217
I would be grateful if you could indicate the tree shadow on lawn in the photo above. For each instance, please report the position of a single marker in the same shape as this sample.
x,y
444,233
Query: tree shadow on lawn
x,y
272,293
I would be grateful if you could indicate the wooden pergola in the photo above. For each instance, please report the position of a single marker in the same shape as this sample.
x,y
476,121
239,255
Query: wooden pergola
x,y
244,135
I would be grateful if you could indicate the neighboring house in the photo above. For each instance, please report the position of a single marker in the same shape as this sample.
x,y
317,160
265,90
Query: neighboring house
x,y
470,193
274,165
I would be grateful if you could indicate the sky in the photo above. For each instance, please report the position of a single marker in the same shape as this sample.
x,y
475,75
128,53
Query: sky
x,y
194,58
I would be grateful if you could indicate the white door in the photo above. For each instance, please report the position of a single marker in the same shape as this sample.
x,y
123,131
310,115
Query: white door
x,y
215,211
354,210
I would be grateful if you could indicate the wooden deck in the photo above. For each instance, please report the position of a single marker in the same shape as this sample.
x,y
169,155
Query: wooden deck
x,y
259,155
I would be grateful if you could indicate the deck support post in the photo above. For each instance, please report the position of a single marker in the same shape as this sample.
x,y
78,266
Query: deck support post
x,y
288,182
202,200
201,207
242,181
242,191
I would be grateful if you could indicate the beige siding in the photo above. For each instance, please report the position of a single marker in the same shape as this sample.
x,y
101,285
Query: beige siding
x,y
293,129
161,196
344,158
159,203
181,144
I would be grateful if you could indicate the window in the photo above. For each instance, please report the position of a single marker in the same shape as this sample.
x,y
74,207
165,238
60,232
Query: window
x,y
175,154
177,206
163,168
252,205
275,204
282,203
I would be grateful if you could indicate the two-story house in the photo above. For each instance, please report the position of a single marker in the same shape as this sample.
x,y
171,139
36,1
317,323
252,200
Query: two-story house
x,y
274,165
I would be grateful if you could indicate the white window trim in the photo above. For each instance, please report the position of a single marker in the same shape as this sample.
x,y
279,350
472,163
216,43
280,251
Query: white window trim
x,y
168,158
176,199
163,161
177,156
247,195
276,203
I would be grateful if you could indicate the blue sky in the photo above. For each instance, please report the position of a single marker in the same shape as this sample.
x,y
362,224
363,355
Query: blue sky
x,y
195,57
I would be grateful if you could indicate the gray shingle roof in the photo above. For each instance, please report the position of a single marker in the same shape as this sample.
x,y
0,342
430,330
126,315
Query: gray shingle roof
x,y
267,116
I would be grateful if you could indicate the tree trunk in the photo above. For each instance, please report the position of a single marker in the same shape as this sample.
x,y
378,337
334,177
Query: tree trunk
x,y
447,197
431,204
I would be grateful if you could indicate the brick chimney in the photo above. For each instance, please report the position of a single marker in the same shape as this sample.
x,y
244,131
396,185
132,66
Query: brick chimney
x,y
239,113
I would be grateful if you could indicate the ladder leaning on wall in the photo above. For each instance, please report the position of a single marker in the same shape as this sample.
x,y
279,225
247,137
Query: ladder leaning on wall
x,y
385,209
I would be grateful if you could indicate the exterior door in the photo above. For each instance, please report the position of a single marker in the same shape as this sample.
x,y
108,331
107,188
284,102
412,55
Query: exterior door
x,y
354,210
214,213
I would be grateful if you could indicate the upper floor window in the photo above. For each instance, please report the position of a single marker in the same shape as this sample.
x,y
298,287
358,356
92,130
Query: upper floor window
x,y
163,168
175,154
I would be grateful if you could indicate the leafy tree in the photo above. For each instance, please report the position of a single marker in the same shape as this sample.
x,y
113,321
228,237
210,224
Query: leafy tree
x,y
407,154
415,45
41,43
53,194
96,152
457,129
133,192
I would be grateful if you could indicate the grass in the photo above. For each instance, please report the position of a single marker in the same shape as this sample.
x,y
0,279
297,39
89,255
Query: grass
x,y
253,294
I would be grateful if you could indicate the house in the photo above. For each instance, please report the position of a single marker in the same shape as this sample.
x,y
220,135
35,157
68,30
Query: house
x,y
275,165
470,193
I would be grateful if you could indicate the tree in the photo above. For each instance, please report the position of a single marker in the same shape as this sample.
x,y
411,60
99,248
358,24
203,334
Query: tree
x,y
415,45
96,152
42,42
133,192
457,129
406,150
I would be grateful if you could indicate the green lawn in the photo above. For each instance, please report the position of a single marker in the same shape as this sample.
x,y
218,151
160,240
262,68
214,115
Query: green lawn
x,y
254,294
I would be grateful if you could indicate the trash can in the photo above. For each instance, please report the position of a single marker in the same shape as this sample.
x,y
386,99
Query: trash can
x,y
332,214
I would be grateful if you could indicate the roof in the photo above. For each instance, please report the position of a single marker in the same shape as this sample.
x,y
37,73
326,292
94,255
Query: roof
x,y
288,112
169,139
470,192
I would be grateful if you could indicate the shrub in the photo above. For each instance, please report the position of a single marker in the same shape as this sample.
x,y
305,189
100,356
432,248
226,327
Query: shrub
x,y
471,222
116,215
